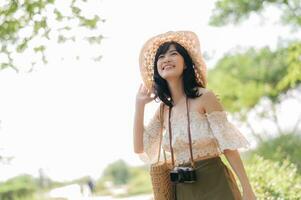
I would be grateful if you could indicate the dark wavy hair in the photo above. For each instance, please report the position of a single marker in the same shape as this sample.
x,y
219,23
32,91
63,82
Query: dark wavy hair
x,y
191,86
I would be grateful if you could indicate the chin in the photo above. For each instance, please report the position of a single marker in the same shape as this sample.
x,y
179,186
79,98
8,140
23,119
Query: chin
x,y
170,75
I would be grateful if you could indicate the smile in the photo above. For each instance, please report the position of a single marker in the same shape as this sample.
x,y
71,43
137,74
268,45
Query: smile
x,y
167,67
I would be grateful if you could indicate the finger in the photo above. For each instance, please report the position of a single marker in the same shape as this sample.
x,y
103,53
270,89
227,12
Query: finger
x,y
141,89
149,92
145,90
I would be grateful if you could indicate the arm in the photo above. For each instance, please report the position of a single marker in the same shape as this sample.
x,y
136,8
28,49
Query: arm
x,y
143,97
138,128
212,104
236,163
146,138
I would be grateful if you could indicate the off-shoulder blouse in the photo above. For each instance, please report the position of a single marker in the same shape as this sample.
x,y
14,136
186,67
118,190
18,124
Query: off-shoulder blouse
x,y
211,134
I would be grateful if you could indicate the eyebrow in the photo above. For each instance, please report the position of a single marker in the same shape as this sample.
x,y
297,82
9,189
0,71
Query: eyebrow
x,y
172,50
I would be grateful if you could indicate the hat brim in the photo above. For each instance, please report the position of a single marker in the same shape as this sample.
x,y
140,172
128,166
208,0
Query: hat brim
x,y
187,39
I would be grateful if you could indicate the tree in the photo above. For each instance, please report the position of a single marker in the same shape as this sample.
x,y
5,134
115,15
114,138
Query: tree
x,y
118,172
244,78
17,187
29,24
235,11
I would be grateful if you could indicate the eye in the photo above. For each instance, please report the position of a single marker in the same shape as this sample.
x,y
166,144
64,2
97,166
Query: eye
x,y
161,56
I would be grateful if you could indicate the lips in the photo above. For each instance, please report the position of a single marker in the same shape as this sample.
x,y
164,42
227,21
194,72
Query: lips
x,y
167,67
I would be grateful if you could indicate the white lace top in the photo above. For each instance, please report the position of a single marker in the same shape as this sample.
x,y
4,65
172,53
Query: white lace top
x,y
211,134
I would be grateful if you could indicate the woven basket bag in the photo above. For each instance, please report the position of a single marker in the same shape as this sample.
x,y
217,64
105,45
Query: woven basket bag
x,y
159,172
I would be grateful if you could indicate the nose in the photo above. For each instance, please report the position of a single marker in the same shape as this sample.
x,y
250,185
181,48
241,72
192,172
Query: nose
x,y
166,59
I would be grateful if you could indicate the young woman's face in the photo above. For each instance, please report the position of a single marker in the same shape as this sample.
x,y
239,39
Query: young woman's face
x,y
171,64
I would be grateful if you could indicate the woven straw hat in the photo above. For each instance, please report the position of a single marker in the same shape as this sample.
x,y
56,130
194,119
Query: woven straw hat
x,y
187,39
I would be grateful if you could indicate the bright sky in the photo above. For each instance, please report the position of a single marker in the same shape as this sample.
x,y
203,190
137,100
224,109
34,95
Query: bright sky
x,y
71,117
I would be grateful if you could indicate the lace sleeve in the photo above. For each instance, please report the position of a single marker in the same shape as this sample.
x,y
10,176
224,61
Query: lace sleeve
x,y
226,134
151,141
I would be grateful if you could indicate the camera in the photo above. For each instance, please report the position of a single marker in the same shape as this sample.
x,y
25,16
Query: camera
x,y
183,175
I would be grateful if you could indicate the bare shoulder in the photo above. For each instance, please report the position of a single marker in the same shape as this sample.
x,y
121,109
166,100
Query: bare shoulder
x,y
204,94
210,101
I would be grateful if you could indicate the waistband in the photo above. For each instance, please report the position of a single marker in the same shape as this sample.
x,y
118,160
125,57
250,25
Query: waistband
x,y
204,162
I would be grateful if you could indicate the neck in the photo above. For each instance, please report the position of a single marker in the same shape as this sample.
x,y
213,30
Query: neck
x,y
177,90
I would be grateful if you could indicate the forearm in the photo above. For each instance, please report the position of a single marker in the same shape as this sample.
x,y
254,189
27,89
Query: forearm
x,y
236,163
138,128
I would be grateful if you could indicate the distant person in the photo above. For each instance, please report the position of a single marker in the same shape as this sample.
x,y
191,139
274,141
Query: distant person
x,y
174,71
91,185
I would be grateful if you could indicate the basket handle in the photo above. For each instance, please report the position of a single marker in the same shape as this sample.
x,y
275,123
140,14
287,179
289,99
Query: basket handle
x,y
161,117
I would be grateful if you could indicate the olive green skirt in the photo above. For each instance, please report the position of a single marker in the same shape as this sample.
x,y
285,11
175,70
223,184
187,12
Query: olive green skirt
x,y
215,181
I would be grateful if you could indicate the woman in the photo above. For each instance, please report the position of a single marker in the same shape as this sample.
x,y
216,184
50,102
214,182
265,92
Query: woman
x,y
173,70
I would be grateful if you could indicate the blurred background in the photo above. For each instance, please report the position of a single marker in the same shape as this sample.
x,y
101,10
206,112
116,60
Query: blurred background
x,y
69,75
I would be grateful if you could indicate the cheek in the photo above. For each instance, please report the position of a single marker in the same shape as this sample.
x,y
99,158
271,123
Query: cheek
x,y
181,63
159,66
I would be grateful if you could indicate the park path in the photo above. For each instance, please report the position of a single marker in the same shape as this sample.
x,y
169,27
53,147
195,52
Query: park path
x,y
139,197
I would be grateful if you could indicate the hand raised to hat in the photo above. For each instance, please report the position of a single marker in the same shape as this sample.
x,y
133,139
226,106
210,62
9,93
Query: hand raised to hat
x,y
143,95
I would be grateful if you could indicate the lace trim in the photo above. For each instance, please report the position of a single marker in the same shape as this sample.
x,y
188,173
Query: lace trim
x,y
198,152
207,130
227,135
151,141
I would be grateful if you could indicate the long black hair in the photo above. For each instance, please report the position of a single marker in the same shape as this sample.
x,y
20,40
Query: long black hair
x,y
191,86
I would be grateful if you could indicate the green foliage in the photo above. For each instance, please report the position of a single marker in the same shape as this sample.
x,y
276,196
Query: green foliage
x,y
140,182
274,168
283,147
293,76
18,187
117,172
235,11
272,179
242,79
101,189
23,23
